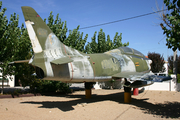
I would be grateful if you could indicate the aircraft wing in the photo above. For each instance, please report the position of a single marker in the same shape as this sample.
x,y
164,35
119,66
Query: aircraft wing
x,y
151,77
140,79
62,60
141,76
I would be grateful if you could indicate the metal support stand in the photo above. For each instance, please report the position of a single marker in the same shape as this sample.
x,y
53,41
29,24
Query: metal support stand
x,y
88,93
88,87
127,95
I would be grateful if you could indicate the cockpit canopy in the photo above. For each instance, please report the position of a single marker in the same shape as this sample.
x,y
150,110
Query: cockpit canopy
x,y
130,51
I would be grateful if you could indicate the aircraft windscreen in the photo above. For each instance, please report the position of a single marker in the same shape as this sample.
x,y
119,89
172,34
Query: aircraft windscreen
x,y
137,53
130,51
127,50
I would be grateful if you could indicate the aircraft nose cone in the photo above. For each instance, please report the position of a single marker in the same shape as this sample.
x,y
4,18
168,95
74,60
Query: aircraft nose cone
x,y
150,62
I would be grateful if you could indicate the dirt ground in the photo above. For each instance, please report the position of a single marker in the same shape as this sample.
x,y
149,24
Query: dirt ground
x,y
104,105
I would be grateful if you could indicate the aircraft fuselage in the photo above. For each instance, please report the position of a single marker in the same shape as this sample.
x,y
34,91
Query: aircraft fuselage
x,y
89,67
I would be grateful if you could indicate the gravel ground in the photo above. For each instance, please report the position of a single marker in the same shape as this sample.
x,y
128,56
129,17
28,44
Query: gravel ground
x,y
104,105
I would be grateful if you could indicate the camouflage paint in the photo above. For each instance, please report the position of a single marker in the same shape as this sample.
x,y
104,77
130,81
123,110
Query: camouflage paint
x,y
62,63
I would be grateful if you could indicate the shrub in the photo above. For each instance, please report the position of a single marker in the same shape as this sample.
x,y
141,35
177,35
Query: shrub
x,y
53,86
178,78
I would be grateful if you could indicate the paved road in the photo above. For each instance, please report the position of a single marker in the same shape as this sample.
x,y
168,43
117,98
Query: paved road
x,y
104,104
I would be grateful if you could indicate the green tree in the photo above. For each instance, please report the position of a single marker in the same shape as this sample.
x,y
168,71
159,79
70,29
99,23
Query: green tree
x,y
53,86
171,24
117,41
170,64
157,62
92,46
103,44
74,39
109,43
14,44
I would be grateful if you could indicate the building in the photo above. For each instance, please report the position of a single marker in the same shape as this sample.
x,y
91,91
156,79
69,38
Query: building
x,y
9,82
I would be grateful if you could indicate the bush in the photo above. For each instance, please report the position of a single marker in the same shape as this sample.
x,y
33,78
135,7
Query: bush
x,y
53,86
178,78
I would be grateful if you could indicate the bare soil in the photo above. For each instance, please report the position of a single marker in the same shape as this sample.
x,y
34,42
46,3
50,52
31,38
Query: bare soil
x,y
104,105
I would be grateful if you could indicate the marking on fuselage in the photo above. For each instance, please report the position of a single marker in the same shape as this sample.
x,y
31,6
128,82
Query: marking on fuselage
x,y
52,42
72,70
125,62
109,64
65,51
137,63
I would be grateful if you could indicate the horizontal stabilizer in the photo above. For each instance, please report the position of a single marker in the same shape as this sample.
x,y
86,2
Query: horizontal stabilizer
x,y
62,60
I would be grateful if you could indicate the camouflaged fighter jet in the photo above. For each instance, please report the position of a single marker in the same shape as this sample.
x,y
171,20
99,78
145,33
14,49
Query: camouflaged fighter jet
x,y
55,61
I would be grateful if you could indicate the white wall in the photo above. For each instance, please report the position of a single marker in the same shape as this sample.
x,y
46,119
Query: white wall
x,y
11,81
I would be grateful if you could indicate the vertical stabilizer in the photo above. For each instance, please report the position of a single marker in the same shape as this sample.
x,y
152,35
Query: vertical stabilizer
x,y
42,38
38,31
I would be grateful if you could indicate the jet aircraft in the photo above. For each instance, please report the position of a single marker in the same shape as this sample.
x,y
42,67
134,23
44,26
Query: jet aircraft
x,y
55,61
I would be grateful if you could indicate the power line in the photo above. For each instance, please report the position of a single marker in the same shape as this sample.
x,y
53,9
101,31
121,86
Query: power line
x,y
161,40
123,19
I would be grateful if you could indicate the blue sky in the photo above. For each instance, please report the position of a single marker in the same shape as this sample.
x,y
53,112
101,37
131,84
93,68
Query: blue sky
x,y
143,34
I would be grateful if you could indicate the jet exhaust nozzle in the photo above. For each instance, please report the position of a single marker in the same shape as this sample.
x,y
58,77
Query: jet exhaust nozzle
x,y
39,73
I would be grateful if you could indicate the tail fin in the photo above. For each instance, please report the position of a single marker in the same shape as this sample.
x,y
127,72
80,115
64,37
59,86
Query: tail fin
x,y
41,36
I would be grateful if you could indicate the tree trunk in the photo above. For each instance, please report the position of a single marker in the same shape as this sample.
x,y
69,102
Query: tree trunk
x,y
175,63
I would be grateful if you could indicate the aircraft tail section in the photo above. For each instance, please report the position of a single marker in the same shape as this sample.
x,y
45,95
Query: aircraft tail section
x,y
42,38
51,56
